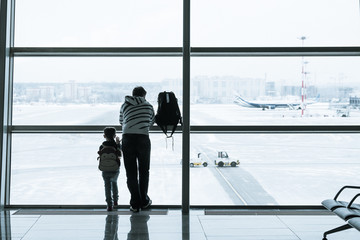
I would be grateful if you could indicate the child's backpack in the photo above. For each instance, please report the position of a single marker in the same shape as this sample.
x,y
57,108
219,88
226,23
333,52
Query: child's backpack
x,y
168,112
109,159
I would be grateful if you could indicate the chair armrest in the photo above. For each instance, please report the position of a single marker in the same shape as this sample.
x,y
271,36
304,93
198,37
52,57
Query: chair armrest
x,y
337,195
352,200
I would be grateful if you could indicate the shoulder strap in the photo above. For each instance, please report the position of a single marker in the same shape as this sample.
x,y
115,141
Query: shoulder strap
x,y
109,147
103,147
163,128
172,131
180,120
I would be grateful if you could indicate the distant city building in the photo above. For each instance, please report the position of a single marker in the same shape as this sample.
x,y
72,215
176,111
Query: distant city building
x,y
203,89
32,94
270,89
174,85
290,91
311,91
217,89
70,92
345,92
84,93
47,93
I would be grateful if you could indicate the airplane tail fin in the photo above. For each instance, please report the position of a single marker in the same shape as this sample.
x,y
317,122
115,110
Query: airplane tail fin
x,y
240,101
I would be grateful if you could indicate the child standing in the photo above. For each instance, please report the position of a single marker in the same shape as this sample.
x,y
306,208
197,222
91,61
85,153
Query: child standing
x,y
110,177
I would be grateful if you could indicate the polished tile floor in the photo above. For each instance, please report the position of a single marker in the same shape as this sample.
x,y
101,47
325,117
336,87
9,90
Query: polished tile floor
x,y
165,224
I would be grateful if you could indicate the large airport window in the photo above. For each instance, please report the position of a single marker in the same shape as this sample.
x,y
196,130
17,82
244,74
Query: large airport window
x,y
62,169
73,62
275,90
85,91
89,23
274,23
271,169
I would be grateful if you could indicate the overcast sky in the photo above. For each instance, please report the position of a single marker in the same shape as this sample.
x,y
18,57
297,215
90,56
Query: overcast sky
x,y
158,23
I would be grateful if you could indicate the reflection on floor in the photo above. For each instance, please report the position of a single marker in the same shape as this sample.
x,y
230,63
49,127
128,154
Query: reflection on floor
x,y
165,224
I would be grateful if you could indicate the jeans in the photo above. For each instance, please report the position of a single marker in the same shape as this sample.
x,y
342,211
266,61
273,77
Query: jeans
x,y
136,149
111,187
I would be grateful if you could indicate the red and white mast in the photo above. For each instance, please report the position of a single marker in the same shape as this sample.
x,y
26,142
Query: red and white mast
x,y
303,79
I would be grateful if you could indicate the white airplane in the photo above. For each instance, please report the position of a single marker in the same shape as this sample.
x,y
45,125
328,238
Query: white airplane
x,y
296,105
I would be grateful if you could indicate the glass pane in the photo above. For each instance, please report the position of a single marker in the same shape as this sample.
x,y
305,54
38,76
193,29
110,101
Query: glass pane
x,y
275,90
275,23
62,169
90,23
86,91
282,169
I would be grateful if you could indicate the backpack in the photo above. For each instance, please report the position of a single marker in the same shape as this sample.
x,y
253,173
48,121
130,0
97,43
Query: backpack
x,y
168,112
109,159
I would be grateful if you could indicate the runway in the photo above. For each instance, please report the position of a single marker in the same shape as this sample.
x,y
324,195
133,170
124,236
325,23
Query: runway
x,y
275,169
240,185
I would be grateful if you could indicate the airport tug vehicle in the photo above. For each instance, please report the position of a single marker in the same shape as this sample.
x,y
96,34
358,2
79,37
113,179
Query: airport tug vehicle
x,y
223,159
198,161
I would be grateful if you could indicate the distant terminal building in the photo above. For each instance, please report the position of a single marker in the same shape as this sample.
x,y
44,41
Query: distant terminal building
x,y
354,101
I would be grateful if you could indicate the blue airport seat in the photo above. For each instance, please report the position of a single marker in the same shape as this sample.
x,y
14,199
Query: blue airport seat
x,y
355,223
348,211
332,204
